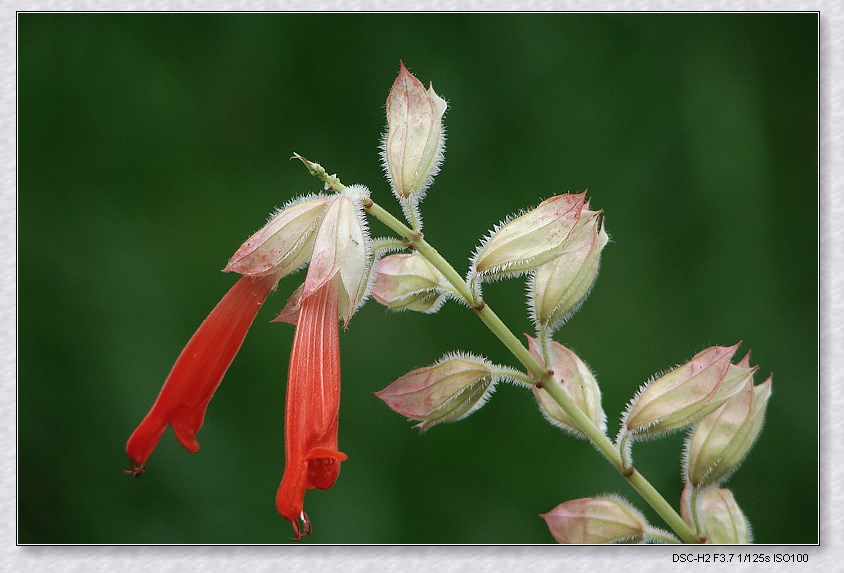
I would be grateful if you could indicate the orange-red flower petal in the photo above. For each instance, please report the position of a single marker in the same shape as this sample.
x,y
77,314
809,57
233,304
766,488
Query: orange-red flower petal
x,y
313,405
199,370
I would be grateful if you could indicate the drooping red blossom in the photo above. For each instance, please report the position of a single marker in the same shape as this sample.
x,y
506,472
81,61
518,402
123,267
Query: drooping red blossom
x,y
331,291
199,369
313,406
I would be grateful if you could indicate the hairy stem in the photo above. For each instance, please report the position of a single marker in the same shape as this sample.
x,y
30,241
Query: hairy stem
x,y
542,334
654,534
695,514
514,376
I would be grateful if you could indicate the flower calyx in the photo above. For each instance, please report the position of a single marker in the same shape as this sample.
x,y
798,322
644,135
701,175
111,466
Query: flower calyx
x,y
591,520
530,240
449,390
721,440
576,380
407,281
557,289
413,145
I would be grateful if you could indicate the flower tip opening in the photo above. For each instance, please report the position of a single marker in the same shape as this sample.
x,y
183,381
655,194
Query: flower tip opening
x,y
143,441
302,530
146,437
137,470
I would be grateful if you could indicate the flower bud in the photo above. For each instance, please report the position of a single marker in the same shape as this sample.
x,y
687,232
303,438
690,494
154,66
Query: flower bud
x,y
576,380
684,395
408,282
721,439
532,239
720,518
341,247
412,149
285,243
559,287
596,520
450,390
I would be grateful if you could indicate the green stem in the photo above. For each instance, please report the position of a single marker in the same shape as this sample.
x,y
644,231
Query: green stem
x,y
388,244
542,333
514,376
695,514
623,445
411,209
662,507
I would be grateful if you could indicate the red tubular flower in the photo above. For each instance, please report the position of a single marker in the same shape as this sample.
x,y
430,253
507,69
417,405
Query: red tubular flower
x,y
332,233
312,458
332,290
199,370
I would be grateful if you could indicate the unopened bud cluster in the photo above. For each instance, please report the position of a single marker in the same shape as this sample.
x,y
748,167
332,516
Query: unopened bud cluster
x,y
715,396
721,439
558,244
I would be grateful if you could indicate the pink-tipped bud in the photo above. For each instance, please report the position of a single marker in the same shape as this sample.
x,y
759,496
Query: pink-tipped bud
x,y
408,282
284,244
559,287
719,516
721,440
577,381
684,395
449,390
532,239
341,247
413,145
596,520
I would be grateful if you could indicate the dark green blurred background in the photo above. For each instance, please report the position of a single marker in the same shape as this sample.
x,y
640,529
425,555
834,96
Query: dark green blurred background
x,y
152,145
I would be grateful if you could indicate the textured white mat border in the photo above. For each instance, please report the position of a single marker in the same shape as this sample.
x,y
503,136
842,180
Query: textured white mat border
x,y
447,559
